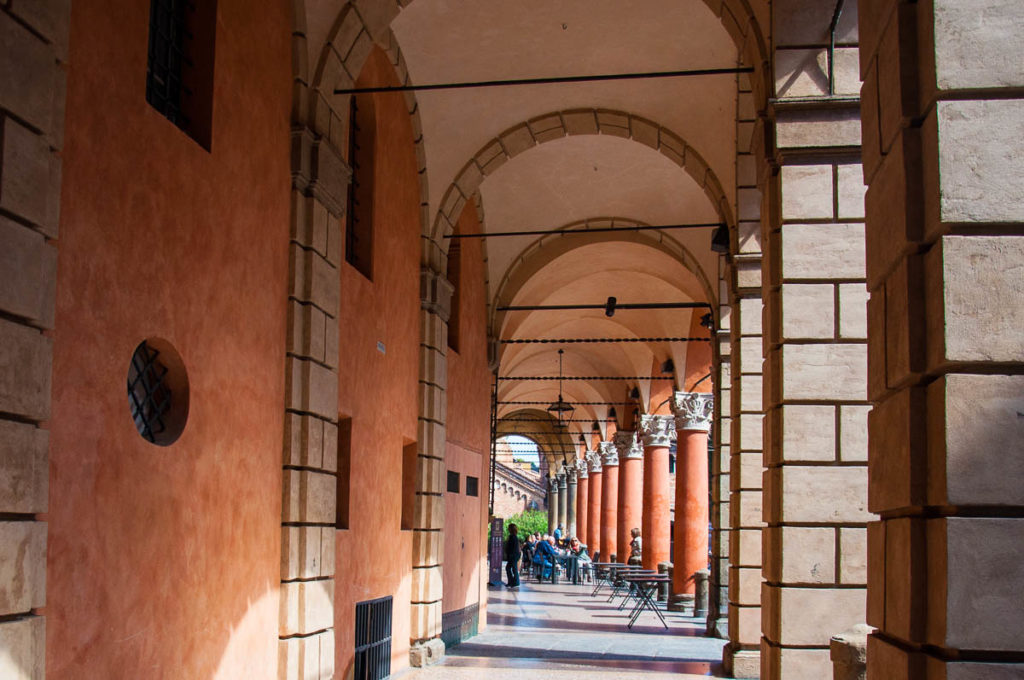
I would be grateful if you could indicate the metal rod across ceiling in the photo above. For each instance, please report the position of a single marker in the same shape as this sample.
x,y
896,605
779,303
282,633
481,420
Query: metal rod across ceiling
x,y
634,305
586,230
548,80
527,341
584,377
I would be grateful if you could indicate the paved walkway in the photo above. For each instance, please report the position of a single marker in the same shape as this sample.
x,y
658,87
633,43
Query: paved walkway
x,y
561,632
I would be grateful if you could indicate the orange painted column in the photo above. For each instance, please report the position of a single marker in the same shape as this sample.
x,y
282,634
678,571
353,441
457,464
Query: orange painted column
x,y
631,489
582,498
657,432
594,484
693,413
609,502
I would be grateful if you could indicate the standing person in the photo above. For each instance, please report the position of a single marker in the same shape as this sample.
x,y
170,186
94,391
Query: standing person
x,y
635,547
558,535
512,554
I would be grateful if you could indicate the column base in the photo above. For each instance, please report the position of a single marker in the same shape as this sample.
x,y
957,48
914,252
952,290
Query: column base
x,y
718,627
741,663
426,652
680,602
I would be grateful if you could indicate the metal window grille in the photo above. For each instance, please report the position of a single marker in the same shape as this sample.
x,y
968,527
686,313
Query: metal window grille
x,y
373,639
472,486
453,482
168,56
148,394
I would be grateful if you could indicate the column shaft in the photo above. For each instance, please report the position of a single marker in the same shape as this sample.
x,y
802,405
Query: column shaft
x,y
596,487
691,530
552,505
563,497
656,524
582,507
570,506
609,512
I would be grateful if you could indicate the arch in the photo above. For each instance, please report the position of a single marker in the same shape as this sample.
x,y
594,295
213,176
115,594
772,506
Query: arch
x,y
743,25
555,125
574,235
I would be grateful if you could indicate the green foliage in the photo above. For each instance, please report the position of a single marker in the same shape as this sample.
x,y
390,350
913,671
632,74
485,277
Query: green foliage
x,y
529,522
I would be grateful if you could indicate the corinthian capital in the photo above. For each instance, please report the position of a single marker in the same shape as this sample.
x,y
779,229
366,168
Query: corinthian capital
x,y
658,430
581,467
609,453
627,445
693,411
594,461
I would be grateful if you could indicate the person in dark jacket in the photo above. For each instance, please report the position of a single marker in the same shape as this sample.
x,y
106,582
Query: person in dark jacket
x,y
512,554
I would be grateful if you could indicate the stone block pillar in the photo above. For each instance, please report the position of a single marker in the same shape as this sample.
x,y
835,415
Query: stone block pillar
x,y
740,321
319,182
582,501
658,432
943,119
596,486
721,429
815,486
693,422
428,511
631,489
33,62
552,503
609,502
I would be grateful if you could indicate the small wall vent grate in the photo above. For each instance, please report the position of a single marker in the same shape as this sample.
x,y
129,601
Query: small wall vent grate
x,y
373,639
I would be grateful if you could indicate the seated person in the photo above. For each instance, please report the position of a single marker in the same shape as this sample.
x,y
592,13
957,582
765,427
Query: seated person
x,y
544,555
574,556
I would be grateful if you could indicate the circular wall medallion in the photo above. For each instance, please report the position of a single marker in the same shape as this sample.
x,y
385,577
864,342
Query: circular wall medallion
x,y
158,391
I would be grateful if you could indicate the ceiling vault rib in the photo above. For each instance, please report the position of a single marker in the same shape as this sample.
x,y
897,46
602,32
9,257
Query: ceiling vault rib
x,y
586,230
638,75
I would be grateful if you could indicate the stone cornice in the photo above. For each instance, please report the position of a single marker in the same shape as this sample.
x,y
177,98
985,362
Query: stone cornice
x,y
658,430
609,453
629,448
693,411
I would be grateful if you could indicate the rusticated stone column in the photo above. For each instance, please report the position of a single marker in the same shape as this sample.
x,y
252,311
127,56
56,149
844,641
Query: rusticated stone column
x,y
658,433
596,484
552,503
631,489
582,499
609,501
693,421
570,501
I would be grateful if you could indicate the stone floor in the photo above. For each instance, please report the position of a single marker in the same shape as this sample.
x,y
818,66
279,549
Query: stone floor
x,y
561,632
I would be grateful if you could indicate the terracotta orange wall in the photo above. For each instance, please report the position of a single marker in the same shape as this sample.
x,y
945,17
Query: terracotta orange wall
x,y
166,561
698,359
379,391
468,432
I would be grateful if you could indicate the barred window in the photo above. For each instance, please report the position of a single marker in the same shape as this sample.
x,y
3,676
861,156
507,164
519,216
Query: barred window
x,y
179,65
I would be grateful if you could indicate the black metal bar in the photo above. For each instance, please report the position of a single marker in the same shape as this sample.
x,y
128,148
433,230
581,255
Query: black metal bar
x,y
528,341
586,230
585,377
634,305
549,80
573,403
545,420
832,46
